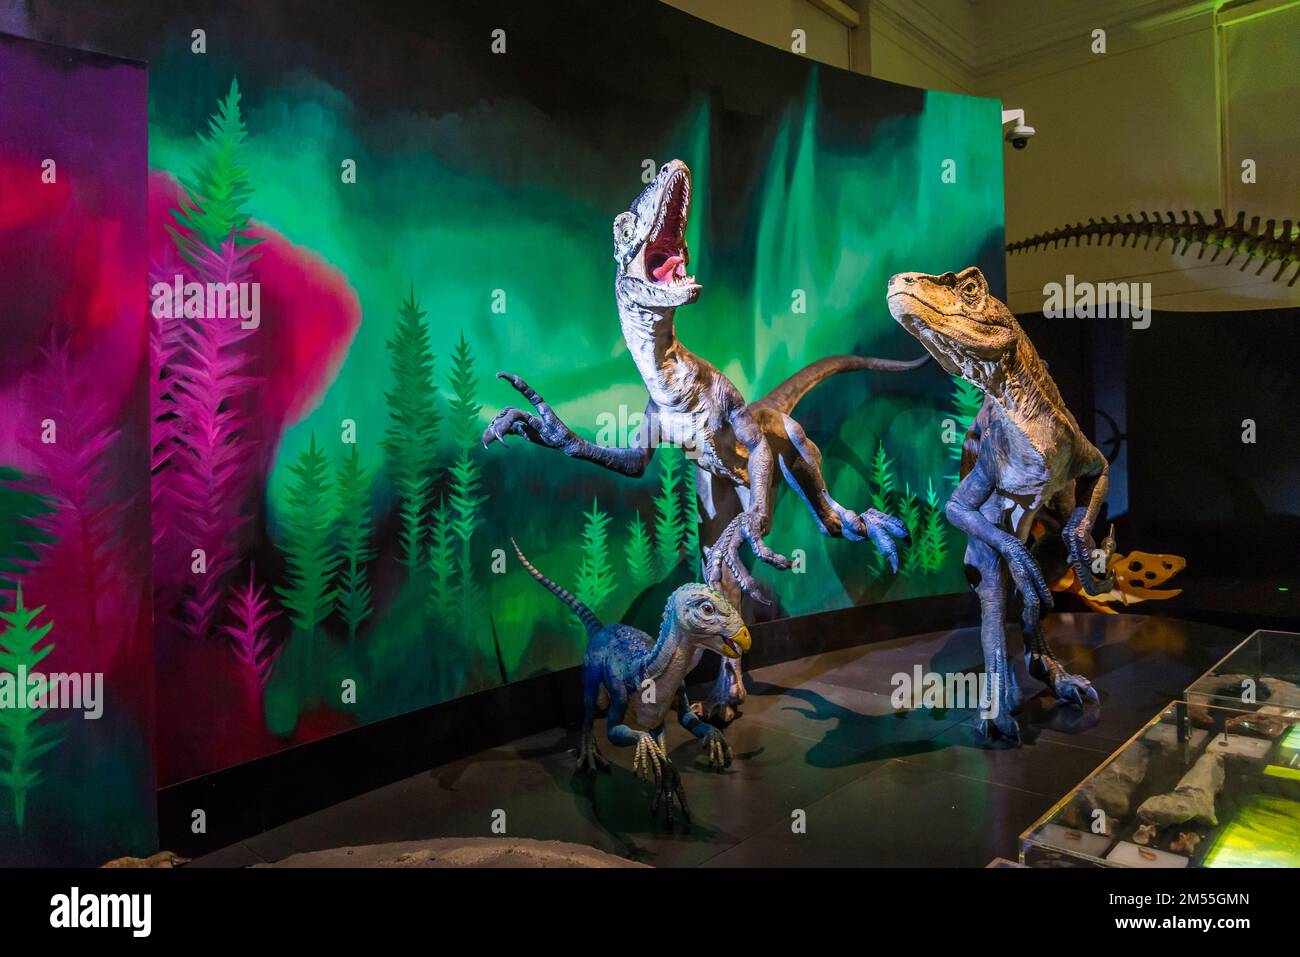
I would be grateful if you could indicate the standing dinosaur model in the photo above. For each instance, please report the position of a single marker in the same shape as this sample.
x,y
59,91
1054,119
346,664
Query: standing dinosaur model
x,y
1023,453
1269,244
637,678
740,449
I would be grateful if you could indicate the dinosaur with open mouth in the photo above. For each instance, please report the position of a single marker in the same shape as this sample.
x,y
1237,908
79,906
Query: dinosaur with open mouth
x,y
740,448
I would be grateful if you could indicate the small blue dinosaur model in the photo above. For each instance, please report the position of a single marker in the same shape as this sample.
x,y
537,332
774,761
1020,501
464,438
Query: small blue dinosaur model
x,y
638,678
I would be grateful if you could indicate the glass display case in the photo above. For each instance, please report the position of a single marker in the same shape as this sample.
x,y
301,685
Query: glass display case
x,y
1264,670
1211,781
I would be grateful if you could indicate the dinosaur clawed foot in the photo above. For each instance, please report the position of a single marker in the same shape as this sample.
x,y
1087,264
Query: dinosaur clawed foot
x,y
1070,688
1074,689
746,527
1003,727
668,790
715,712
722,706
590,760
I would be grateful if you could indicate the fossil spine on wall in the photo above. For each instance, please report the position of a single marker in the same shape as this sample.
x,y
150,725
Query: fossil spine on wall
x,y
1269,244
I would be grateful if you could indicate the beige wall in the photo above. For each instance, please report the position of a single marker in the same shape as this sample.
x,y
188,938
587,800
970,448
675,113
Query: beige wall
x,y
1160,121
773,21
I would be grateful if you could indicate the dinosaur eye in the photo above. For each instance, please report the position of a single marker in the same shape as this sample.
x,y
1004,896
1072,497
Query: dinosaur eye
x,y
708,608
627,233
970,290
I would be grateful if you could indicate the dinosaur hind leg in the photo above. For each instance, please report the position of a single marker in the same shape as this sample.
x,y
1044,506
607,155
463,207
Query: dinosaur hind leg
x,y
1000,697
801,464
589,757
722,704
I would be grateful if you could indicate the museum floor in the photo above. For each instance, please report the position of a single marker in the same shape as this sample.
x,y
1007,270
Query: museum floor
x,y
880,787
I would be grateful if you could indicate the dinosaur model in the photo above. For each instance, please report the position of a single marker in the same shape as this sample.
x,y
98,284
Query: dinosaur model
x,y
1023,453
1269,244
740,449
637,678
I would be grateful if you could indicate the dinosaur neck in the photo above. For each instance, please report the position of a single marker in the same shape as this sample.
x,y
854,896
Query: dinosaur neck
x,y
1024,391
651,337
669,653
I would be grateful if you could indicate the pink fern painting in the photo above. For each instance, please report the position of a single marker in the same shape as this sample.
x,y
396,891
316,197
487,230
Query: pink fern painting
x,y
74,469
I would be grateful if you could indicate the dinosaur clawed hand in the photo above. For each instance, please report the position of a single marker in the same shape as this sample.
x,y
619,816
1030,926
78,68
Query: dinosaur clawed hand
x,y
1029,581
746,527
544,428
651,764
1080,546
719,751
883,529
650,759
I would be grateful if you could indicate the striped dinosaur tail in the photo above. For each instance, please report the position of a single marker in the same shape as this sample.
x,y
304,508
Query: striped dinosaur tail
x,y
585,614
787,395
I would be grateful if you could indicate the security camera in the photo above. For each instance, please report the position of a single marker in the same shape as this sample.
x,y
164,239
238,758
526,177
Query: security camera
x,y
1018,131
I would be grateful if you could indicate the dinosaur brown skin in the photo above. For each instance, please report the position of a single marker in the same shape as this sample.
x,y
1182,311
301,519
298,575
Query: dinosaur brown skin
x,y
1024,452
741,450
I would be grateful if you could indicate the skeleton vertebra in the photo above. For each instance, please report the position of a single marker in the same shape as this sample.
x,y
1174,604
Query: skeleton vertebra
x,y
1270,244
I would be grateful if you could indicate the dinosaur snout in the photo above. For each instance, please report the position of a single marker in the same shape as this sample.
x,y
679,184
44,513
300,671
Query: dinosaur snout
x,y
737,644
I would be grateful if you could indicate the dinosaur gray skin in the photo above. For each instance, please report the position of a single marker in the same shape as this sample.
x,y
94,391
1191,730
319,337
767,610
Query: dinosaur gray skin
x,y
740,448
638,678
1024,452
1270,244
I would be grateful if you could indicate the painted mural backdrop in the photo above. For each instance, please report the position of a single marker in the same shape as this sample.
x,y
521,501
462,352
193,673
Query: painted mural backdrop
x,y
424,199
76,652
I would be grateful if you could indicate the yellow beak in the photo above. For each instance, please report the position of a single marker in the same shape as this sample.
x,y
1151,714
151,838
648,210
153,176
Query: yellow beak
x,y
737,644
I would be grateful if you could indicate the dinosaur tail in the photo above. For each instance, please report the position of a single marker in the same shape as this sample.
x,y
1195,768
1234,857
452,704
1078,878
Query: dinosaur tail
x,y
787,395
585,614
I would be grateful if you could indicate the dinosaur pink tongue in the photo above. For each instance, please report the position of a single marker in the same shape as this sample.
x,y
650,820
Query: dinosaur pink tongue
x,y
673,266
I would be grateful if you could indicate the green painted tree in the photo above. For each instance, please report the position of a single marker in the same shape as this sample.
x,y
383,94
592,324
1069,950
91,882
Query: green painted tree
x,y
355,529
440,604
639,552
909,513
882,495
218,187
464,482
934,544
23,525
690,516
668,513
311,560
596,579
411,441
24,739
